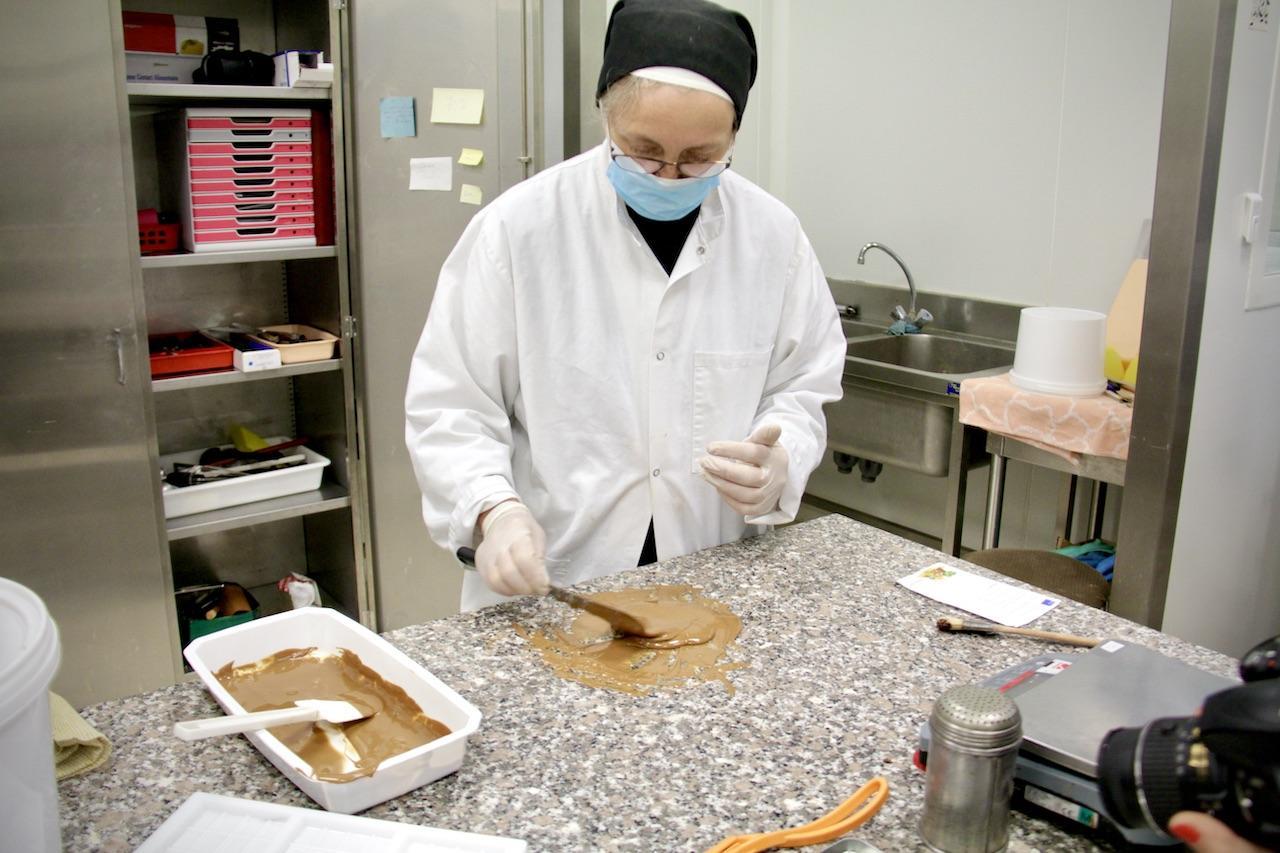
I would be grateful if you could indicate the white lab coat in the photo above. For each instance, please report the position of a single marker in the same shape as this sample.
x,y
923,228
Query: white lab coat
x,y
560,364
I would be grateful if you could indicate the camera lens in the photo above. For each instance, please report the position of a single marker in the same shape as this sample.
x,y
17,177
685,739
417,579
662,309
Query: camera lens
x,y
1139,770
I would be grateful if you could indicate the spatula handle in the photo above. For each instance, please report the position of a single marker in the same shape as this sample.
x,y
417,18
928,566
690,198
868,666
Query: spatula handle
x,y
230,725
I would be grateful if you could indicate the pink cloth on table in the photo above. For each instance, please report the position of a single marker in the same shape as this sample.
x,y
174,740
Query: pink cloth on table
x,y
1067,426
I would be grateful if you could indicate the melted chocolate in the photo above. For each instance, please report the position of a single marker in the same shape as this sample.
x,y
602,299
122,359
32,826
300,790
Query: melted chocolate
x,y
693,633
341,752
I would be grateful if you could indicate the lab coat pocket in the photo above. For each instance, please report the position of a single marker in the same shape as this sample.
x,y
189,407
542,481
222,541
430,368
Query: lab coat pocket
x,y
727,387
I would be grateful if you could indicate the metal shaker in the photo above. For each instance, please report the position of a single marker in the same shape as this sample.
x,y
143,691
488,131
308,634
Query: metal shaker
x,y
975,733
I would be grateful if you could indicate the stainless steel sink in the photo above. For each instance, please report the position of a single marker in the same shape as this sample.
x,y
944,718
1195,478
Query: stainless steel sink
x,y
901,392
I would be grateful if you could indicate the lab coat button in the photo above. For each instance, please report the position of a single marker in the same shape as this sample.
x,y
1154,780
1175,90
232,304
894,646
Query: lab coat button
x,y
702,250
660,356
657,472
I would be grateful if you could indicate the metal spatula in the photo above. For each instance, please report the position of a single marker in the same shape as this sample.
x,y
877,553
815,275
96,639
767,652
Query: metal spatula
x,y
620,620
304,711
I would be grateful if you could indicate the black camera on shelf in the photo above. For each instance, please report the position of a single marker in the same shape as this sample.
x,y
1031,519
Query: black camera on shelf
x,y
1225,761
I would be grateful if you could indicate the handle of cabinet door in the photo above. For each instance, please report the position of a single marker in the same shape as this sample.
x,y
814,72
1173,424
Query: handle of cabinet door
x,y
118,335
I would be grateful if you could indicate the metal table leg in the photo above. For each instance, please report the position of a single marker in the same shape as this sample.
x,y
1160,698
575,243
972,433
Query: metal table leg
x,y
957,478
995,503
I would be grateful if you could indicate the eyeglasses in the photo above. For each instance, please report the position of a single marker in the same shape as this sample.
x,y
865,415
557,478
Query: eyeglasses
x,y
652,165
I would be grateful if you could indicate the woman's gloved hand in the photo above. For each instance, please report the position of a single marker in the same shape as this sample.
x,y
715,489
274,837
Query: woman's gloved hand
x,y
511,557
750,475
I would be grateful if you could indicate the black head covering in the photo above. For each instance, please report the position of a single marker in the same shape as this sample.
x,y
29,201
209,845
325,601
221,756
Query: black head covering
x,y
694,34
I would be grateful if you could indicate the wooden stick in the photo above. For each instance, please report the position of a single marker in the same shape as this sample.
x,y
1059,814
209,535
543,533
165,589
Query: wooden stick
x,y
956,625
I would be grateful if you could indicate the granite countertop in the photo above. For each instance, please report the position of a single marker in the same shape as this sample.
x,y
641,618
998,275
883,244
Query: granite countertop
x,y
843,666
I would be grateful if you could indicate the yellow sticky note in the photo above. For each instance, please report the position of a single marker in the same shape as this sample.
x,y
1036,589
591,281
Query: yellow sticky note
x,y
471,157
471,194
457,106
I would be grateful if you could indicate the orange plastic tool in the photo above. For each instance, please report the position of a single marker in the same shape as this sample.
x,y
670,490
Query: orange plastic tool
x,y
847,816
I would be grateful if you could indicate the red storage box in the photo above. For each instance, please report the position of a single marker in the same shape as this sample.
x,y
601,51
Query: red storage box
x,y
159,238
200,149
219,173
277,208
291,134
222,161
235,184
187,352
297,196
224,223
253,234
241,122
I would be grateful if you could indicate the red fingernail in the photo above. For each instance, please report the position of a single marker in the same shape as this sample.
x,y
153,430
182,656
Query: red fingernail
x,y
1186,833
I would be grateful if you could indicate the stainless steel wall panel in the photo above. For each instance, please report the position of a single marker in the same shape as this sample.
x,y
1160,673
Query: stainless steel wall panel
x,y
79,504
400,47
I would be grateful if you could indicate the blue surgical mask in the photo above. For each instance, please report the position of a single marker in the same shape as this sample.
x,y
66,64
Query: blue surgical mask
x,y
664,199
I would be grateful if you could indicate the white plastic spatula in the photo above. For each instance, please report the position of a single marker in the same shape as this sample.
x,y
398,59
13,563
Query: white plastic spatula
x,y
304,711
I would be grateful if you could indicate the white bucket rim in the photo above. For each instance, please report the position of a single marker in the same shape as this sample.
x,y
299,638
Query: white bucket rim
x,y
26,676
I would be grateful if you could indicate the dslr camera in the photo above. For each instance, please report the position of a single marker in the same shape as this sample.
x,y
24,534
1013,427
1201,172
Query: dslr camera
x,y
1224,761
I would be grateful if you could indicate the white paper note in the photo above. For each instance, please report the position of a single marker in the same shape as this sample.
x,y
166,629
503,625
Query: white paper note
x,y
999,602
431,173
457,106
471,194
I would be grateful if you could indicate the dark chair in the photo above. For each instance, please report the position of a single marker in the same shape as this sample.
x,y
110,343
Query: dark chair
x,y
1058,574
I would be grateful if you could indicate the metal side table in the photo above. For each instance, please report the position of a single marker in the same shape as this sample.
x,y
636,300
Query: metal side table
x,y
1101,469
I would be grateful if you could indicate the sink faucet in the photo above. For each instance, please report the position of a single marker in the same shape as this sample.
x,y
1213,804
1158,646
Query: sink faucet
x,y
919,318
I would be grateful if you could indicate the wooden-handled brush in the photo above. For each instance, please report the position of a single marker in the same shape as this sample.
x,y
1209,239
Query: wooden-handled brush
x,y
956,625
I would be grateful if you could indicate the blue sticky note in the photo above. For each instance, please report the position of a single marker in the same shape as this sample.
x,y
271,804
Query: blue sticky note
x,y
397,117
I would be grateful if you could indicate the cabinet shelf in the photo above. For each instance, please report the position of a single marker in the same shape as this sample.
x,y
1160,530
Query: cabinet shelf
x,y
231,377
248,256
173,94
328,497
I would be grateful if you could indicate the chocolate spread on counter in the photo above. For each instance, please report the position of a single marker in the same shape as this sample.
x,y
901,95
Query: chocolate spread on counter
x,y
693,632
342,752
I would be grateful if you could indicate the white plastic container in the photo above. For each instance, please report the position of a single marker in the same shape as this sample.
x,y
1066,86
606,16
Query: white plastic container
x,y
1060,351
187,500
329,630
29,658
199,822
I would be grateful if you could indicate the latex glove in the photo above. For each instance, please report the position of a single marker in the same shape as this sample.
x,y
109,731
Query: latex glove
x,y
750,475
1205,834
511,558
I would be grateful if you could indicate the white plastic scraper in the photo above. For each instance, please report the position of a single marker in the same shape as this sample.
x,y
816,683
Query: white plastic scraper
x,y
304,711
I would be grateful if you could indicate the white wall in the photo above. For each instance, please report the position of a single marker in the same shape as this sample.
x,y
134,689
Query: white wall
x,y
1224,583
1006,150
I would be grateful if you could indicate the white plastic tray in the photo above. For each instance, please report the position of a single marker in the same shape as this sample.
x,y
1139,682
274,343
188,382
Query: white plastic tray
x,y
211,823
241,490
329,630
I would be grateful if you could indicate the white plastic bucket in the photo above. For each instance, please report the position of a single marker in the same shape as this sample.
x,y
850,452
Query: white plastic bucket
x,y
29,656
1060,351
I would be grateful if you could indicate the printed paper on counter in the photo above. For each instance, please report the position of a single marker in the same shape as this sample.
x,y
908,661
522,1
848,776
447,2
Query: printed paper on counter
x,y
457,106
471,194
471,157
431,173
999,602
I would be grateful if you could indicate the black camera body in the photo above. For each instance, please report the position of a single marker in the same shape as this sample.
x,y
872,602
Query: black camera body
x,y
1225,761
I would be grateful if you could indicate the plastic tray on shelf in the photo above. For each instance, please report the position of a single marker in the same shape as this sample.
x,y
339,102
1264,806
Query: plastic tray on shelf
x,y
235,491
318,345
187,352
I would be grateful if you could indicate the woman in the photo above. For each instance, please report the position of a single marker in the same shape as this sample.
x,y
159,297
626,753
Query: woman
x,y
627,354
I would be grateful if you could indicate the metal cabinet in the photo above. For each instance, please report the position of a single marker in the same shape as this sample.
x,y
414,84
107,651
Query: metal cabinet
x,y
85,424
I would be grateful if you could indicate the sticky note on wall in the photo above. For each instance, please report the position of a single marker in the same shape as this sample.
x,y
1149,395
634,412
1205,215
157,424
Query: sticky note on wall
x,y
396,117
471,194
457,106
471,157
431,173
